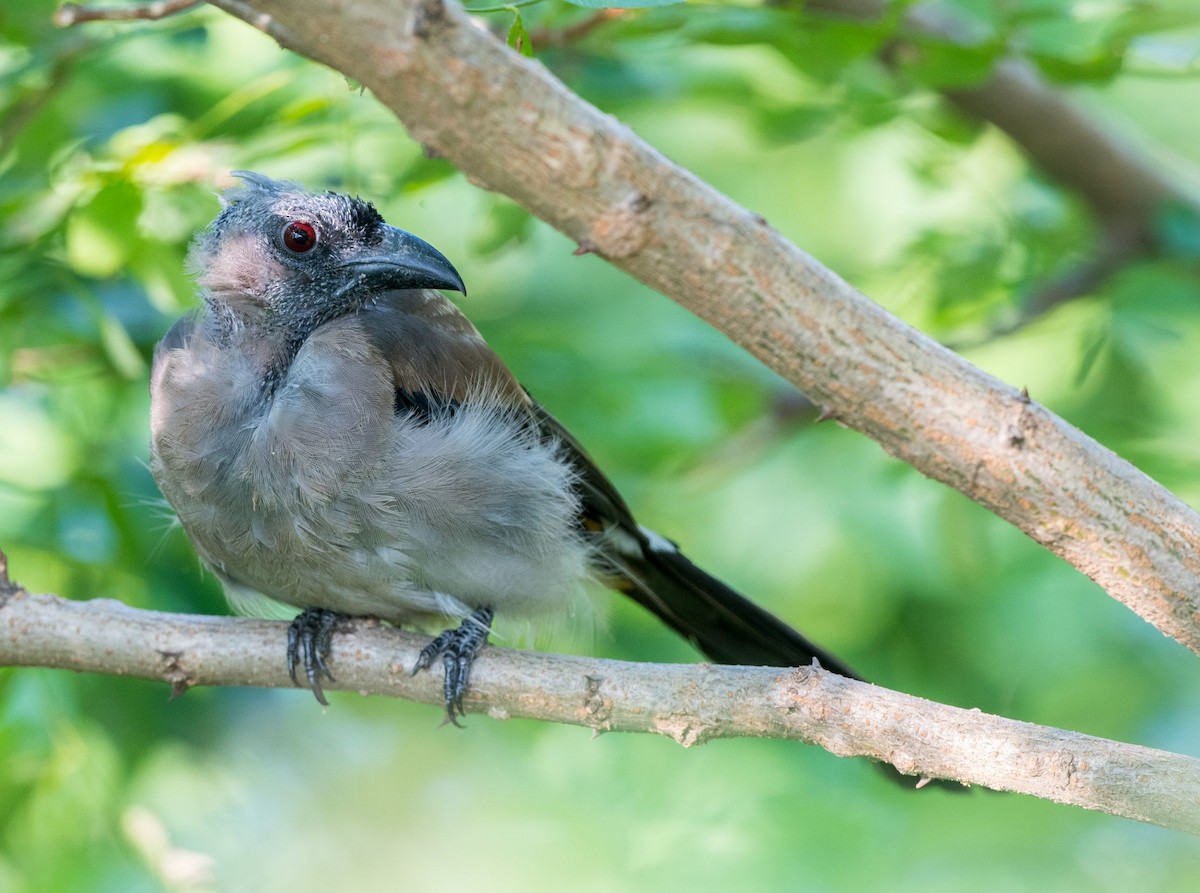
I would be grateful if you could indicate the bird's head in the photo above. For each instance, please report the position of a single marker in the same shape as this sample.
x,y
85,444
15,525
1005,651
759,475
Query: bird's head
x,y
280,257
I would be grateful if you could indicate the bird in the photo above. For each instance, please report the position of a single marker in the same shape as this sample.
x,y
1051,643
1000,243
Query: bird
x,y
336,437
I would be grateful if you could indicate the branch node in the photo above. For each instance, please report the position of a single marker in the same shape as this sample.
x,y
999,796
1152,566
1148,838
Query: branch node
x,y
173,672
621,232
597,709
905,764
426,14
686,730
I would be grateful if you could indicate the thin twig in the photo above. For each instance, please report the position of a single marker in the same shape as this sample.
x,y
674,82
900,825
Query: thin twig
x,y
75,13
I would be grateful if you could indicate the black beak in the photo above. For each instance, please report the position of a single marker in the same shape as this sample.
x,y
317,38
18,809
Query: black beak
x,y
404,261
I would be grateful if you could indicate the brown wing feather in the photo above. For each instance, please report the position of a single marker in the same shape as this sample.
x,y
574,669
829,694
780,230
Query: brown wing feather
x,y
434,350
438,358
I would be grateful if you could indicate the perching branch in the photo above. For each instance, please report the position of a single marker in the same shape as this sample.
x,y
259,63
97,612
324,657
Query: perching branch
x,y
509,125
689,703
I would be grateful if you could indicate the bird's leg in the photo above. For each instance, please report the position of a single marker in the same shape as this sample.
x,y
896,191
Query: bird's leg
x,y
309,638
458,648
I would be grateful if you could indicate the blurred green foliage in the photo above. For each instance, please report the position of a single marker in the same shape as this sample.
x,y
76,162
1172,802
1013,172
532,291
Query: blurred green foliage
x,y
112,138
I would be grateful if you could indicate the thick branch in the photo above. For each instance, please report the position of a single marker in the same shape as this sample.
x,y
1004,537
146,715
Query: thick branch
x,y
511,126
689,703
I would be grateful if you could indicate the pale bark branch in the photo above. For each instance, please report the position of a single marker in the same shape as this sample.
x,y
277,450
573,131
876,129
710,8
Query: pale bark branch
x,y
509,125
689,703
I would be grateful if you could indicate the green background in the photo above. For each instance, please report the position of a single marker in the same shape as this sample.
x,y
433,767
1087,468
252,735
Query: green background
x,y
112,138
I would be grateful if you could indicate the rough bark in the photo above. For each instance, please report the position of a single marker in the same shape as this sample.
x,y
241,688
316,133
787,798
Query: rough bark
x,y
689,703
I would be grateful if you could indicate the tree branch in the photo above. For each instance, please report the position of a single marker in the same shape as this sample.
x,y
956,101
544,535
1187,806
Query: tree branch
x,y
1125,189
510,126
75,13
690,703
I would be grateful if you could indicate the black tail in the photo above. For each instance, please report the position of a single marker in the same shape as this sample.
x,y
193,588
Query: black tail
x,y
727,627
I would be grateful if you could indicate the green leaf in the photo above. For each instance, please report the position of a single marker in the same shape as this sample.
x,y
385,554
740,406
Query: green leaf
x,y
1178,228
942,64
102,234
504,224
518,37
120,349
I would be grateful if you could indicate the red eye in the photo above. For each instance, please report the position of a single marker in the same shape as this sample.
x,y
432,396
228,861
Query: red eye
x,y
299,236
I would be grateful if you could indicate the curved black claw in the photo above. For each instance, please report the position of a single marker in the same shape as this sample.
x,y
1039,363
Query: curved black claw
x,y
309,637
458,648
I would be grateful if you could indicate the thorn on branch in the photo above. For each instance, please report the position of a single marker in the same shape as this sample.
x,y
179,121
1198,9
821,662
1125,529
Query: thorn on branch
x,y
75,13
621,232
827,413
584,247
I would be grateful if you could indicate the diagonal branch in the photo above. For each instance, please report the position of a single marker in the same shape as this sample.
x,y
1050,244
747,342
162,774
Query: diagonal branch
x,y
1125,189
509,125
689,703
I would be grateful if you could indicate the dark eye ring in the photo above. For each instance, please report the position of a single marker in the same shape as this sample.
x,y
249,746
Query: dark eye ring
x,y
299,237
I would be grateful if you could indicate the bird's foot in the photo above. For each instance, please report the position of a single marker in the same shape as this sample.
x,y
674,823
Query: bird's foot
x,y
308,642
458,648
